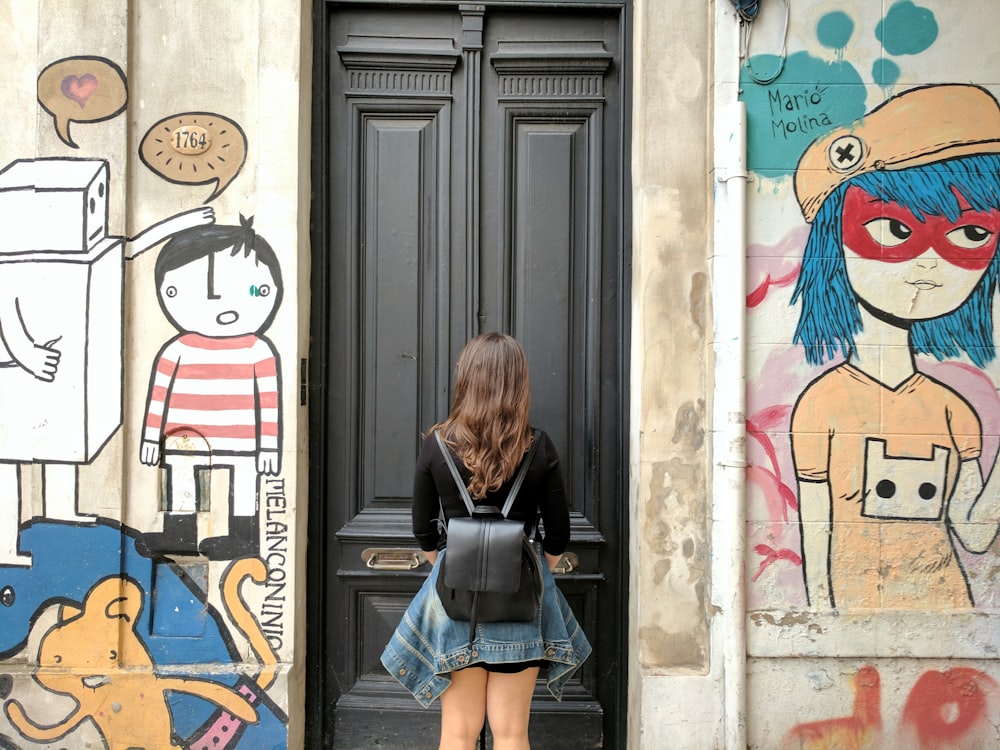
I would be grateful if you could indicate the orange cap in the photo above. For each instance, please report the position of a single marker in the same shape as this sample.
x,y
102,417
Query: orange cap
x,y
919,126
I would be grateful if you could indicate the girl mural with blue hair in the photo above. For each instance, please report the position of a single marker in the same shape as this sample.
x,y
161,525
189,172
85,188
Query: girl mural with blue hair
x,y
901,260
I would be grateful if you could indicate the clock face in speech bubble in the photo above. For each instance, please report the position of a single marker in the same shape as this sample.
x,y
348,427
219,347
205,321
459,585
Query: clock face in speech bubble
x,y
195,148
81,89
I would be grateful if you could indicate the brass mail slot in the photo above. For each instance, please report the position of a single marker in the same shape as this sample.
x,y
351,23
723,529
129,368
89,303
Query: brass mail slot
x,y
398,558
567,564
402,558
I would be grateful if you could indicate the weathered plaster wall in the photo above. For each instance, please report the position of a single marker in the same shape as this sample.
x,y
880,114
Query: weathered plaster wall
x,y
120,624
670,546
879,629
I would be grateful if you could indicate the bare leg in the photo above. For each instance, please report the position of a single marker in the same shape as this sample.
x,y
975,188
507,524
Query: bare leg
x,y
508,704
463,709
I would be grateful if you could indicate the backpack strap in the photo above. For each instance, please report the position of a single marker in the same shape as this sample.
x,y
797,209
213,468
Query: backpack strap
x,y
518,480
521,473
463,490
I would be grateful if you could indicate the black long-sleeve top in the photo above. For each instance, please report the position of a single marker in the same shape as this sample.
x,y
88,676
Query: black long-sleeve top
x,y
542,492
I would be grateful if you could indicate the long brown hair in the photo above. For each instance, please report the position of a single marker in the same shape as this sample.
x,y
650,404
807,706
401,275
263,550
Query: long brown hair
x,y
488,423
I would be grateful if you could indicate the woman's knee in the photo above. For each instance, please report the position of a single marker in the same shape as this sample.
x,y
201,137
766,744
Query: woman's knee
x,y
509,729
508,703
462,723
463,706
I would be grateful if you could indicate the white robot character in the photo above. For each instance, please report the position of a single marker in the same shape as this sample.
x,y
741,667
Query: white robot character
x,y
61,313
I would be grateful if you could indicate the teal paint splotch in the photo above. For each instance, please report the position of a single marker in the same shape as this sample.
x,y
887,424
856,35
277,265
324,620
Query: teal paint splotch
x,y
834,30
809,98
907,29
885,72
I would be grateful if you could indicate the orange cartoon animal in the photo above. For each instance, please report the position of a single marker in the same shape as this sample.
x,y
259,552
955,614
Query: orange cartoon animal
x,y
95,655
862,730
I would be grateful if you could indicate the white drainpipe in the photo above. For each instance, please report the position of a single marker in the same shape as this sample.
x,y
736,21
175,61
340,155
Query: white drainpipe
x,y
729,408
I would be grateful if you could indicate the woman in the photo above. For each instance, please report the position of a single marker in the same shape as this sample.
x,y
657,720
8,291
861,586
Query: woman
x,y
901,260
494,676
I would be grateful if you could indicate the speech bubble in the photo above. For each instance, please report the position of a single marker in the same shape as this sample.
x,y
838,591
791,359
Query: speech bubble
x,y
81,89
195,148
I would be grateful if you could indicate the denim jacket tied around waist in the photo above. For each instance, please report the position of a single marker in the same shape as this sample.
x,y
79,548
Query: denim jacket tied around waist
x,y
428,644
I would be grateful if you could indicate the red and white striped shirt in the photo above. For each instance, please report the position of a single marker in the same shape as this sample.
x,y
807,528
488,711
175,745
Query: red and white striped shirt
x,y
223,391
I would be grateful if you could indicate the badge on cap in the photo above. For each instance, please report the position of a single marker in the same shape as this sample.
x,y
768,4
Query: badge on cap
x,y
846,153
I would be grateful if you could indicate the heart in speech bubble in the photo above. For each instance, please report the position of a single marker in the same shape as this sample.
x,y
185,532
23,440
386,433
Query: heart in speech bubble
x,y
79,88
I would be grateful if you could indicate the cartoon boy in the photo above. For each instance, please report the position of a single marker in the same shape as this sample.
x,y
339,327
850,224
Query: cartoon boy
x,y
214,393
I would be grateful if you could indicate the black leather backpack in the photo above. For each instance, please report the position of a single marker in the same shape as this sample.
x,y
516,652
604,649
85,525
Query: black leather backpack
x,y
491,572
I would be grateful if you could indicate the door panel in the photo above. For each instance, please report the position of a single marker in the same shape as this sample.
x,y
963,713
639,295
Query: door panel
x,y
545,281
468,179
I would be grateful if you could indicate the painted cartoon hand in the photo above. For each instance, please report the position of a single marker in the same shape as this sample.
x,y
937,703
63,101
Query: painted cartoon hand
x,y
149,452
42,361
154,235
196,217
268,462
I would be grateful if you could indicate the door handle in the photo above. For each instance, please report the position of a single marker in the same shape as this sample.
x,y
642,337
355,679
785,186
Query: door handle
x,y
567,564
397,558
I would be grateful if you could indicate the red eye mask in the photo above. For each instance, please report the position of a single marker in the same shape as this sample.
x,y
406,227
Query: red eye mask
x,y
888,232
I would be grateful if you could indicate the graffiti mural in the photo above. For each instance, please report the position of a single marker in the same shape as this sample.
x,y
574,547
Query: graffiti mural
x,y
873,411
872,430
862,729
81,89
950,709
901,260
111,635
195,148
61,352
214,393
108,640
955,708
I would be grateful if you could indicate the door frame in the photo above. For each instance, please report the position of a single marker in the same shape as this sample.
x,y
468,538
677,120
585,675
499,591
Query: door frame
x,y
320,716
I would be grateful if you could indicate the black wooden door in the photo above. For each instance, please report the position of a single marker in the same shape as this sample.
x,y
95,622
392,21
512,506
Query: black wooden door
x,y
468,176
